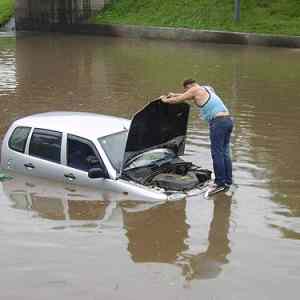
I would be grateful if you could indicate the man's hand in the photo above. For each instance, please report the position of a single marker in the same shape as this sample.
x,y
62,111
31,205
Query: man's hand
x,y
164,98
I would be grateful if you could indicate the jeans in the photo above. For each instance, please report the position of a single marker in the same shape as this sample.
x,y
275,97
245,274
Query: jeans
x,y
220,132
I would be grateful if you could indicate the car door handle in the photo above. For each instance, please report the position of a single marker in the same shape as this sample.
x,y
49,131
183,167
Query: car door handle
x,y
70,176
29,166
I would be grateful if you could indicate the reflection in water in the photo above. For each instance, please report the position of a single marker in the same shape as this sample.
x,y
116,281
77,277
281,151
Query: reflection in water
x,y
159,234
59,209
7,66
57,201
156,232
208,264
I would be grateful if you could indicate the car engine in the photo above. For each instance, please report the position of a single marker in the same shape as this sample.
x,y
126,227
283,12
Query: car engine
x,y
176,182
177,175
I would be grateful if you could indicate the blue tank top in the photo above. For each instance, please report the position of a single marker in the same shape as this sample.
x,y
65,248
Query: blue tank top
x,y
212,106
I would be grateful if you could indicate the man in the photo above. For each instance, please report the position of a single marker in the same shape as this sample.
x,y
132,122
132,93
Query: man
x,y
220,123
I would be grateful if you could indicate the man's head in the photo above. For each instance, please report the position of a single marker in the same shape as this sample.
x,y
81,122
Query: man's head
x,y
189,83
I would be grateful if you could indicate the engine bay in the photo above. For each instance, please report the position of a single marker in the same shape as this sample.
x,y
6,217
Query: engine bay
x,y
177,175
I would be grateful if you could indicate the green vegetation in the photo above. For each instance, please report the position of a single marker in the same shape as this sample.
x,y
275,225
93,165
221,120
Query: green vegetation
x,y
262,16
6,10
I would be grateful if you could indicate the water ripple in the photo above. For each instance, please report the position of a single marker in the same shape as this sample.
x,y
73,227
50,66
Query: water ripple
x,y
7,72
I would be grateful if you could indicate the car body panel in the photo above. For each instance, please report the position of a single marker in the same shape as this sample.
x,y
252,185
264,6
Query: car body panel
x,y
75,205
89,125
106,189
86,125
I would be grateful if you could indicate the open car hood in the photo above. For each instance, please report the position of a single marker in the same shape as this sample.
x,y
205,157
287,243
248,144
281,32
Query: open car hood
x,y
157,125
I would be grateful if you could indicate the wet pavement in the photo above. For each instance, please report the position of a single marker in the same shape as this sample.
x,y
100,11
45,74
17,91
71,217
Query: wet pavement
x,y
80,243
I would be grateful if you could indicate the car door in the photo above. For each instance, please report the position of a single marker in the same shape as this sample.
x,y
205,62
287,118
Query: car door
x,y
81,156
13,154
44,155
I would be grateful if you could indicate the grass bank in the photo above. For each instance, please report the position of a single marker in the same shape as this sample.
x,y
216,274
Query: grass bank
x,y
6,10
260,16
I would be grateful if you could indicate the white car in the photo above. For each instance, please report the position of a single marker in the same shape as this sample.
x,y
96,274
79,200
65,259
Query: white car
x,y
139,158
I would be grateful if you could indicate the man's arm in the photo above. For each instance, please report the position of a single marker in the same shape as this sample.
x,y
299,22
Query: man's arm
x,y
174,94
188,95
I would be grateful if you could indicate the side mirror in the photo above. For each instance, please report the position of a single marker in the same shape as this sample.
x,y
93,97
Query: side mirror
x,y
95,173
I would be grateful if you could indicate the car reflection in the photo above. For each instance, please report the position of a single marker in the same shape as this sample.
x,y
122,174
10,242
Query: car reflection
x,y
56,201
156,232
159,235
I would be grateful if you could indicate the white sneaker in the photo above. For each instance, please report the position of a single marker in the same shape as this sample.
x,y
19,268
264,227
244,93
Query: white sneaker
x,y
214,189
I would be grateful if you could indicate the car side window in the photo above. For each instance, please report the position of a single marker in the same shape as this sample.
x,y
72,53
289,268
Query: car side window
x,y
46,144
81,154
18,139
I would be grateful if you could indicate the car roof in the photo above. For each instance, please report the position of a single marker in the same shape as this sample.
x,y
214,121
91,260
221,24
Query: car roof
x,y
86,125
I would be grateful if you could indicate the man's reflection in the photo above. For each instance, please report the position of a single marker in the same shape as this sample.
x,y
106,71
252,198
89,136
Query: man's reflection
x,y
209,264
159,235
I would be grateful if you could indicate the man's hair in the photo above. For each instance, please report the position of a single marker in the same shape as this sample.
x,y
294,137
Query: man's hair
x,y
188,81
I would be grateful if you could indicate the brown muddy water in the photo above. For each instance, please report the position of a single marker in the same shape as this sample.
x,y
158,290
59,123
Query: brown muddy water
x,y
70,243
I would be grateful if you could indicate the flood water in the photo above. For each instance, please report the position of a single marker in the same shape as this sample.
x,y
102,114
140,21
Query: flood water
x,y
78,244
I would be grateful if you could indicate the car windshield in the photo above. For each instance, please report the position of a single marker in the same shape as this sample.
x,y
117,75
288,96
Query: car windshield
x,y
151,157
114,147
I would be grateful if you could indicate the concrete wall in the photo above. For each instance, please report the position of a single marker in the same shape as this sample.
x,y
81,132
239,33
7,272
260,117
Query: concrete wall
x,y
30,14
178,34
